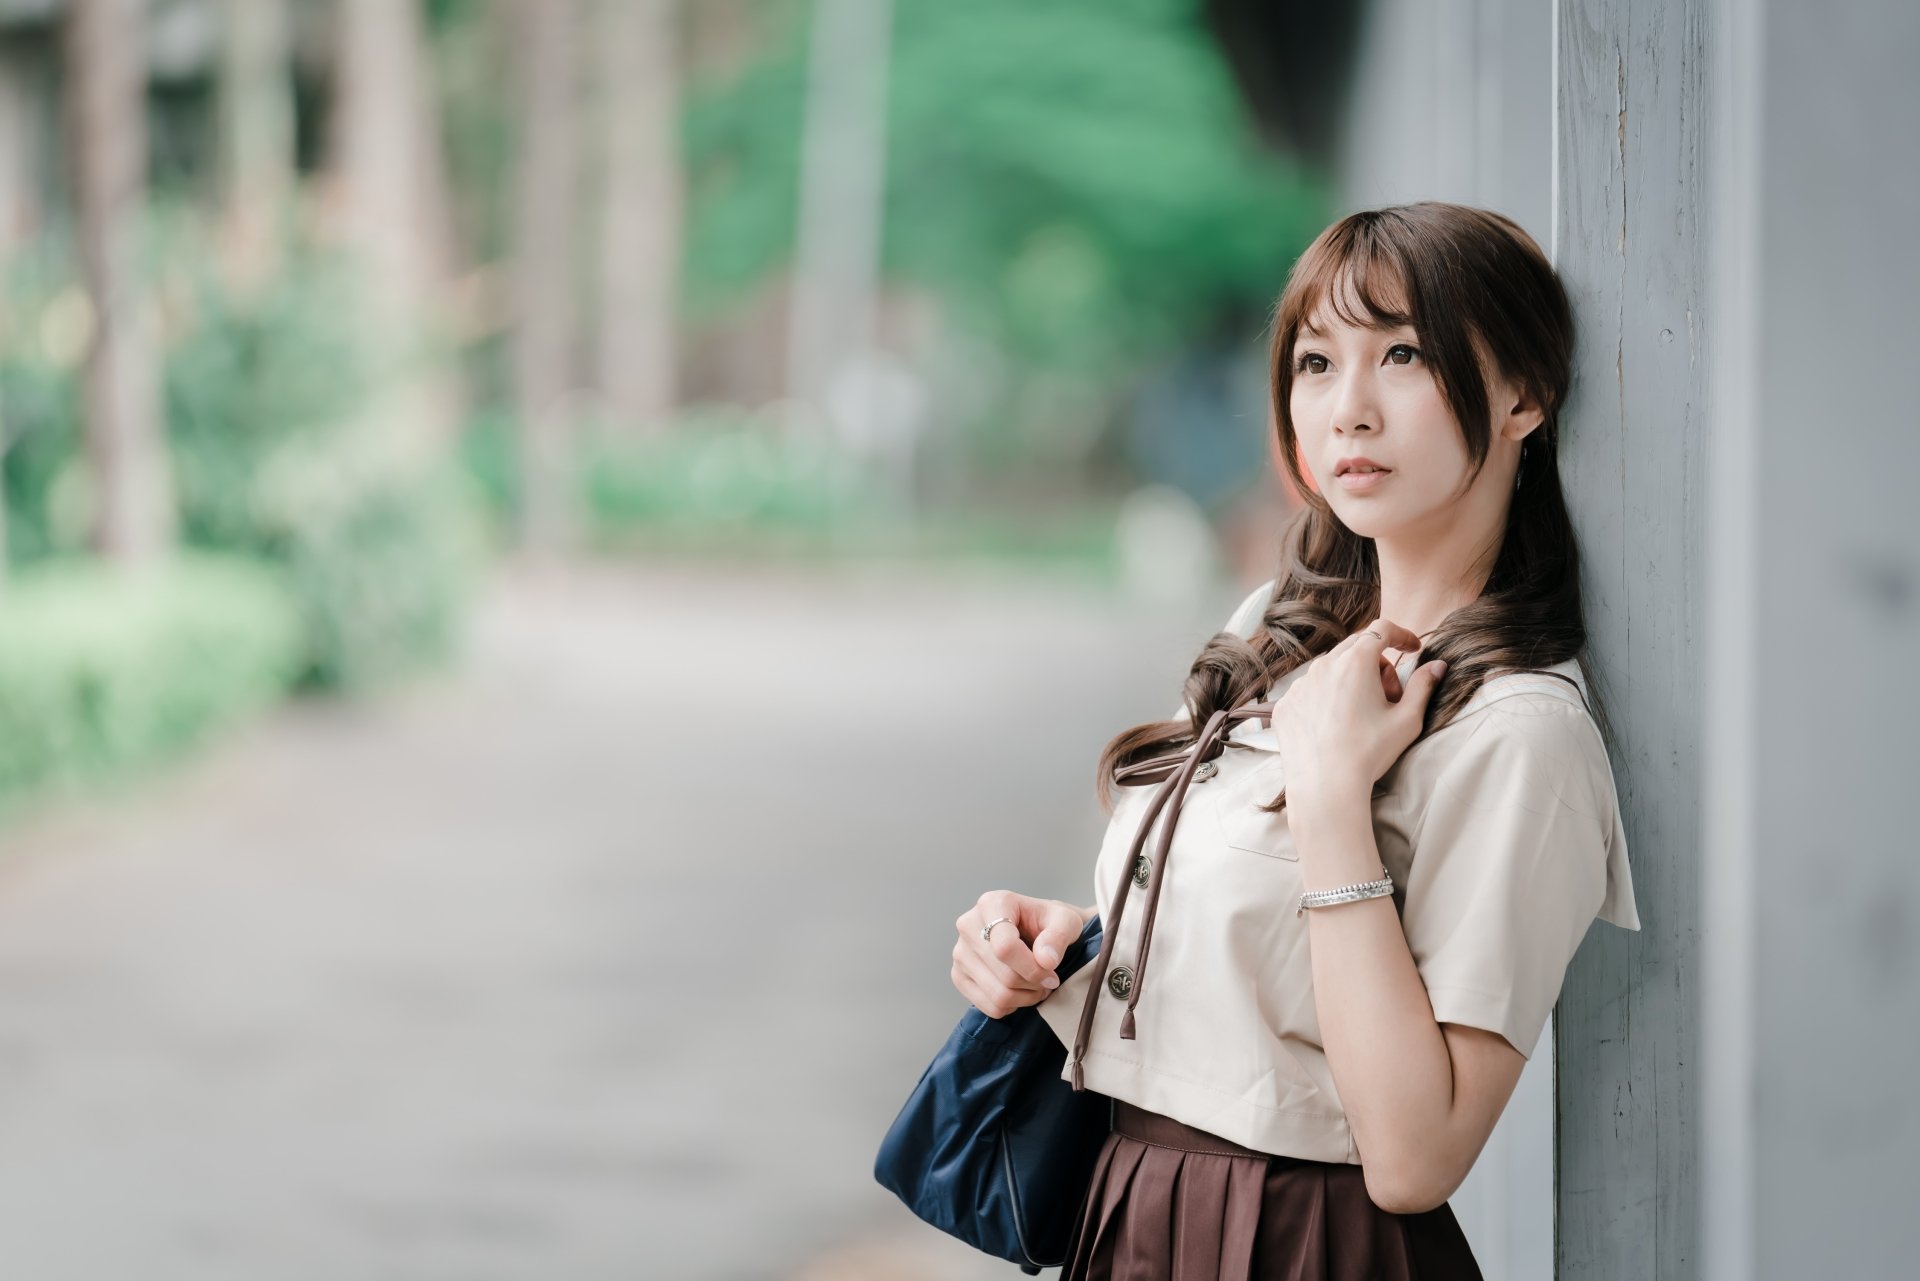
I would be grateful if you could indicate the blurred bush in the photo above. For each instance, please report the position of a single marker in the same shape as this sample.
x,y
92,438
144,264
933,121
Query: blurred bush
x,y
721,479
44,328
382,553
720,468
247,375
284,448
102,669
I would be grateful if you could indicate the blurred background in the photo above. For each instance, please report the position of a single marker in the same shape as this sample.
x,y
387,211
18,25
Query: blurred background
x,y
551,547
481,480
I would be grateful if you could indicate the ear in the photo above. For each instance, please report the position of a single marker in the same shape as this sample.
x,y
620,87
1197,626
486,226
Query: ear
x,y
1523,414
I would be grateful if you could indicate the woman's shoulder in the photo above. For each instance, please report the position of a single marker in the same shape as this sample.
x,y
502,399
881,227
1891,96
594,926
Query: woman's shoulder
x,y
1526,751
1534,730
1561,685
1541,716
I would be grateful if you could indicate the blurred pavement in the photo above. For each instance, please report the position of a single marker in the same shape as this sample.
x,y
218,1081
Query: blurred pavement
x,y
610,955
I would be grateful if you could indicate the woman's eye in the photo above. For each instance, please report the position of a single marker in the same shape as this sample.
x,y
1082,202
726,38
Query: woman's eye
x,y
1304,365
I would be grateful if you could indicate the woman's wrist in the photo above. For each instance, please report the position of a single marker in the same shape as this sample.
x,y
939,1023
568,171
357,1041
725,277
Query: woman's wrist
x,y
1333,832
1328,796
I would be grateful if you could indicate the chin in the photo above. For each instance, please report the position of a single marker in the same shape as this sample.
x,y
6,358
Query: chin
x,y
1365,523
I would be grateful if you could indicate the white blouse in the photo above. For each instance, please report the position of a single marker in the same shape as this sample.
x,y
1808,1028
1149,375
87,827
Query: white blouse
x,y
1502,833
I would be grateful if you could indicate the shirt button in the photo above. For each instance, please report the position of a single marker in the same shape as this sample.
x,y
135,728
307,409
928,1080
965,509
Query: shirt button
x,y
1142,865
1204,771
1120,981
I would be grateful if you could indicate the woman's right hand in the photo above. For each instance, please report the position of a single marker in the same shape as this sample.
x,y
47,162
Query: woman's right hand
x,y
1014,969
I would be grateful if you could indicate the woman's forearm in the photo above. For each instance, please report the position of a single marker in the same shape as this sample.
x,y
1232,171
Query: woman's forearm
x,y
1389,1059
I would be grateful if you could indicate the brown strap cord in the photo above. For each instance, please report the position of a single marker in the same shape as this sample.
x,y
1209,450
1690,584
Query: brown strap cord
x,y
1177,772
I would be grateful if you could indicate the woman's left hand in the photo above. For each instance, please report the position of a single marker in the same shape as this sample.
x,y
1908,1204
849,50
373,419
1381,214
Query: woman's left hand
x,y
1345,721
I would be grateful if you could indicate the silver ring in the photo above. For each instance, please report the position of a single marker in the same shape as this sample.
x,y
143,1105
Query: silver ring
x,y
1372,633
987,933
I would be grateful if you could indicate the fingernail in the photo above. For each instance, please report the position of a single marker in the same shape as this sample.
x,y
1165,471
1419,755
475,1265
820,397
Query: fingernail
x,y
1047,957
1050,982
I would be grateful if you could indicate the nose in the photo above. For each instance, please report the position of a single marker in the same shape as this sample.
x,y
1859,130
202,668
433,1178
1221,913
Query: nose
x,y
1353,406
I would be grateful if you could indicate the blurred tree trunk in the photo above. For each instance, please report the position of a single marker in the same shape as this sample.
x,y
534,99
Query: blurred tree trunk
x,y
640,52
393,206
19,185
387,156
256,137
837,242
106,87
543,274
16,202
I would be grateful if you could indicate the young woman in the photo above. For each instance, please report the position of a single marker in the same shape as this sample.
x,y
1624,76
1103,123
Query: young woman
x,y
1401,716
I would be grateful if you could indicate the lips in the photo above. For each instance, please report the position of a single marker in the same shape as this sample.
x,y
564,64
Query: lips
x,y
1360,475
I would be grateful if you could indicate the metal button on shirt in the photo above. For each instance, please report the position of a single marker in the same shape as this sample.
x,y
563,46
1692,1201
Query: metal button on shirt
x,y
1173,773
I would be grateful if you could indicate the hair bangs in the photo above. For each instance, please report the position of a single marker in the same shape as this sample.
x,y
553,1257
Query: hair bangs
x,y
1354,272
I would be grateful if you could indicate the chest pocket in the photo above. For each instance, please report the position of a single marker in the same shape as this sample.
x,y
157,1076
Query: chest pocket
x,y
1243,824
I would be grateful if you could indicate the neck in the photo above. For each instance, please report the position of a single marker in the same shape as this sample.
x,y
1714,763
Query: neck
x,y
1425,577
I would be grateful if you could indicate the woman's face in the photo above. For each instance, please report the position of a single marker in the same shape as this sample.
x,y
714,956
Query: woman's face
x,y
1361,392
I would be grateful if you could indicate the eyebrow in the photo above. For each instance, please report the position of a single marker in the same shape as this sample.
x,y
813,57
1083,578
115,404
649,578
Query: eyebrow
x,y
1378,327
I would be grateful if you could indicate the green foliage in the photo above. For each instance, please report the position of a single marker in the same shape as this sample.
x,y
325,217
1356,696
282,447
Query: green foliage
x,y
1076,179
39,420
1074,182
277,453
269,401
249,377
42,334
381,550
742,141
489,454
470,47
717,469
104,669
718,480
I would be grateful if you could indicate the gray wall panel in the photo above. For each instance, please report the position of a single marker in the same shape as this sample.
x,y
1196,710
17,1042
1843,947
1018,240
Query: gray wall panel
x,y
1630,95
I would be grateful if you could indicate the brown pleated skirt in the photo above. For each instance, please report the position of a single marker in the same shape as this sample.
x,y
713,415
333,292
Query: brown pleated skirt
x,y
1172,1203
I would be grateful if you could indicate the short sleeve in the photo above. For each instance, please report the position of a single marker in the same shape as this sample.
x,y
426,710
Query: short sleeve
x,y
1511,864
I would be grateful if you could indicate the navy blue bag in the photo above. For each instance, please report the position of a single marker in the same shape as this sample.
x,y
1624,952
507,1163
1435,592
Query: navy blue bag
x,y
992,1145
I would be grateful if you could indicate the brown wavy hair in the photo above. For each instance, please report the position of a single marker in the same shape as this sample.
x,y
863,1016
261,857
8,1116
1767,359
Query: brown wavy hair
x,y
1477,288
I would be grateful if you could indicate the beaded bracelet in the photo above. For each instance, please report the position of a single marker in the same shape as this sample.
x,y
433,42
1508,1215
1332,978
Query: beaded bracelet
x,y
1346,894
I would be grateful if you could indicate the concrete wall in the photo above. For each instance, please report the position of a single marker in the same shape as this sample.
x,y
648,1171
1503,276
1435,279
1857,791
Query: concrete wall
x,y
1811,915
1631,185
1453,100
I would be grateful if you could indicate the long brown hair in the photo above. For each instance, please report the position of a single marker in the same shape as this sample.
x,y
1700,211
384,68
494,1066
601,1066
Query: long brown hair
x,y
1473,282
